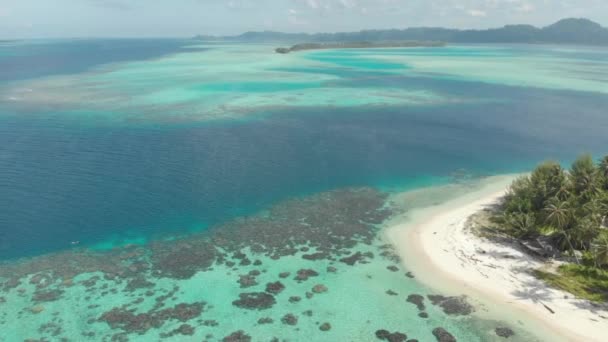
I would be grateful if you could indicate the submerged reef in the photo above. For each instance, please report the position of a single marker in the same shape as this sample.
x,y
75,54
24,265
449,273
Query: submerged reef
x,y
159,290
323,227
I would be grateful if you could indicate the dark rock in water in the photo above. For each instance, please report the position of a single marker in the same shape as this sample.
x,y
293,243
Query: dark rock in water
x,y
412,340
255,301
257,262
294,299
331,269
452,305
443,335
385,335
351,260
254,273
309,295
47,296
504,332
265,320
319,288
237,336
239,255
247,281
382,334
184,329
138,282
289,319
275,288
391,293
129,322
325,327
230,263
284,274
182,261
307,313
409,275
393,268
41,280
423,315
417,300
210,323
245,262
315,256
304,274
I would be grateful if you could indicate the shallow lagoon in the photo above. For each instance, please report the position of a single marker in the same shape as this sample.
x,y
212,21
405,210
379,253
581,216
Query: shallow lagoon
x,y
105,170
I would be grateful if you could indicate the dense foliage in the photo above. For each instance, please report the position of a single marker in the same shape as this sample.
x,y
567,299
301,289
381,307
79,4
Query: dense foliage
x,y
570,207
566,31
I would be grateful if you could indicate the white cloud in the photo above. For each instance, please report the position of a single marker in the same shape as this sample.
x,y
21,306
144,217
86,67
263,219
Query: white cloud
x,y
477,13
312,4
526,8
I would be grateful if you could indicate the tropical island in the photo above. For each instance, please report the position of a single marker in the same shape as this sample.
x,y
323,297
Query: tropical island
x,y
538,242
358,45
577,31
562,214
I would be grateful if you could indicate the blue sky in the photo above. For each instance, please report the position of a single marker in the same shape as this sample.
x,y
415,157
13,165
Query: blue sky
x,y
158,18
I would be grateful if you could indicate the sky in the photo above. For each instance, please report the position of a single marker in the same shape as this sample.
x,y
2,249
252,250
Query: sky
x,y
185,18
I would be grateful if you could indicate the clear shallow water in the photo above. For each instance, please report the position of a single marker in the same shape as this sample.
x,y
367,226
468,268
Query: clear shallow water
x,y
144,150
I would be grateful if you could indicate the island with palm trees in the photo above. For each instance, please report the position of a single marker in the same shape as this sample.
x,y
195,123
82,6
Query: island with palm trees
x,y
532,245
563,214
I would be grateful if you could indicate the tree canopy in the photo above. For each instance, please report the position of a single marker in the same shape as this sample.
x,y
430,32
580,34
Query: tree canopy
x,y
569,206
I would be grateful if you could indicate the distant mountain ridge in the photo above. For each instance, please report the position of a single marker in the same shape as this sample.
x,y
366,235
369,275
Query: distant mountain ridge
x,y
566,31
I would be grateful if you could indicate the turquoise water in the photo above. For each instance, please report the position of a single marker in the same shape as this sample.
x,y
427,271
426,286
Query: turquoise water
x,y
150,172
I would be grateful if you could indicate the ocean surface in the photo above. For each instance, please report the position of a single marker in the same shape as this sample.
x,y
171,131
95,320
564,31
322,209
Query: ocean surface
x,y
163,189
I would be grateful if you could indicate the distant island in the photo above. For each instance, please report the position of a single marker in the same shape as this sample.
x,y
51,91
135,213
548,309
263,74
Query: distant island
x,y
356,45
566,31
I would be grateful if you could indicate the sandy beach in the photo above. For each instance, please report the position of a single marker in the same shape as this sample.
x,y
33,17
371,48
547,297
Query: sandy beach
x,y
436,243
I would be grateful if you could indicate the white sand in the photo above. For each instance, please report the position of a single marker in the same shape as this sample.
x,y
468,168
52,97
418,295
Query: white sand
x,y
437,246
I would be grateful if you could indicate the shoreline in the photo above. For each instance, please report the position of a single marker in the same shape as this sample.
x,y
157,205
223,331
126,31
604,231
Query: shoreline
x,y
435,243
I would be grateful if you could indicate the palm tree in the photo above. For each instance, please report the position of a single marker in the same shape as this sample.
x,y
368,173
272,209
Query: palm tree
x,y
600,250
558,213
584,177
603,171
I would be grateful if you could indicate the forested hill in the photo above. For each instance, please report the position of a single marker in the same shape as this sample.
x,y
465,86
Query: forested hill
x,y
566,31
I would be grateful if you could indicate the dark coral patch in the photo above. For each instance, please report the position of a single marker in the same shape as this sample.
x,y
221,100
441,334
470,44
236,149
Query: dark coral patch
x,y
265,320
275,288
417,300
443,335
304,274
247,281
452,305
386,335
289,319
504,332
315,256
255,301
237,336
47,296
184,329
128,321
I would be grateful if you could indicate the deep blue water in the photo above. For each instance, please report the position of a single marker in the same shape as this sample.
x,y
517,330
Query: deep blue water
x,y
29,59
63,180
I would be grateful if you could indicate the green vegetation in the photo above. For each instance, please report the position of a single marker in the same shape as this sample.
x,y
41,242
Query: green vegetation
x,y
569,209
582,281
358,45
